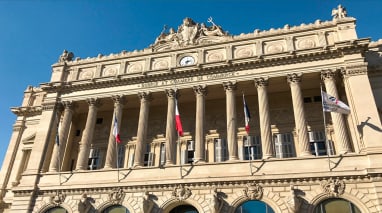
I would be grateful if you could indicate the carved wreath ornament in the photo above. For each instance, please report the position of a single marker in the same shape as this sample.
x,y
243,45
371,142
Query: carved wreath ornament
x,y
58,198
333,187
181,193
253,191
116,196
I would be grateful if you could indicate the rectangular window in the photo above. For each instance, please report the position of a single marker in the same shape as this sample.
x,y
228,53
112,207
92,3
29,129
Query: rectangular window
x,y
148,159
94,160
162,154
318,145
187,156
131,161
221,151
251,148
284,146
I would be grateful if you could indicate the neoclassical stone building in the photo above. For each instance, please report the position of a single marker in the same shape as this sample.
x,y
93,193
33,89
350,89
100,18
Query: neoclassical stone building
x,y
63,157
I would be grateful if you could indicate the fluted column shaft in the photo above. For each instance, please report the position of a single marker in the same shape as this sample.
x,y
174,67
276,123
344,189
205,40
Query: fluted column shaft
x,y
339,125
58,150
264,116
200,92
230,88
111,154
142,128
87,135
299,114
170,128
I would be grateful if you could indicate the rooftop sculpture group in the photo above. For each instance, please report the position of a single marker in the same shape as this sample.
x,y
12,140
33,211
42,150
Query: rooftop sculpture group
x,y
189,33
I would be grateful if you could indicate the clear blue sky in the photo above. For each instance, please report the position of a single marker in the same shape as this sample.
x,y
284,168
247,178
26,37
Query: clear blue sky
x,y
34,33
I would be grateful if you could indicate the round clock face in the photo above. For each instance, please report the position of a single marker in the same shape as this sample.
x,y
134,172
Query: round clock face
x,y
187,60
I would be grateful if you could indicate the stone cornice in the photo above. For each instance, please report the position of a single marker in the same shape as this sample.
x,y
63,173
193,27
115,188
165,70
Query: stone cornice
x,y
128,188
267,60
27,111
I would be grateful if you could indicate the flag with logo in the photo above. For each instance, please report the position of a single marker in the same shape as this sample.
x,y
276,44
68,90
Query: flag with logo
x,y
247,115
332,104
115,130
178,123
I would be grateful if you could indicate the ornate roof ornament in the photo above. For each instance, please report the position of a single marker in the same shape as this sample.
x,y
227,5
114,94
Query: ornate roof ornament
x,y
181,193
333,187
189,33
253,191
66,56
339,12
116,196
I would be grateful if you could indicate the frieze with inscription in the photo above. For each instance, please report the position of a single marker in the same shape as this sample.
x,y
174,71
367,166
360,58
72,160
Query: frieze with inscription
x,y
189,79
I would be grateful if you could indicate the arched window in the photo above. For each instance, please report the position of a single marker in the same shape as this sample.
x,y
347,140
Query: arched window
x,y
254,206
336,205
184,209
116,209
56,210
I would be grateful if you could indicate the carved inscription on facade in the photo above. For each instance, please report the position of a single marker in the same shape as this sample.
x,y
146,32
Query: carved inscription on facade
x,y
189,79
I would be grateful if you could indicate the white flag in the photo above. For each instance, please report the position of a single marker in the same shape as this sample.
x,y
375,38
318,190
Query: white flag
x,y
332,104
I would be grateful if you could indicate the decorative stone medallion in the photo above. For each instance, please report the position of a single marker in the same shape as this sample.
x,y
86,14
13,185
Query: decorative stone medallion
x,y
333,187
253,191
181,193
116,195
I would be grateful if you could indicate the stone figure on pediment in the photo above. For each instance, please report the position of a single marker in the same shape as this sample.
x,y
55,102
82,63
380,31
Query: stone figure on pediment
x,y
339,13
66,56
187,31
166,37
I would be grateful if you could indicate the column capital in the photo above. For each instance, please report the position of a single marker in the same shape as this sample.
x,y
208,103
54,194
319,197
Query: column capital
x,y
294,78
145,96
68,105
93,102
229,85
261,82
200,90
328,74
172,93
118,99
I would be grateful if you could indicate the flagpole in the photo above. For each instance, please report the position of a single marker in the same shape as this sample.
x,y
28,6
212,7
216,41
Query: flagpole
x,y
246,116
326,133
116,149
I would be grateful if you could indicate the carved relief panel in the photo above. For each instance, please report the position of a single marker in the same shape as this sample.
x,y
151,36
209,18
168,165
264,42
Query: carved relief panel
x,y
305,42
135,66
110,70
331,37
86,73
272,47
215,55
244,51
160,63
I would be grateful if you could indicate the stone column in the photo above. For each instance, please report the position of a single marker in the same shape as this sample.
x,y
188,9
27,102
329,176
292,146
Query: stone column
x,y
170,128
9,159
294,81
339,124
145,98
264,116
58,150
111,154
200,92
230,88
87,135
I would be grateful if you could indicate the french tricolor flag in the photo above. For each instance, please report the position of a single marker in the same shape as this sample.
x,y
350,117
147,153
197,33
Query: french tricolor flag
x,y
247,115
179,127
115,130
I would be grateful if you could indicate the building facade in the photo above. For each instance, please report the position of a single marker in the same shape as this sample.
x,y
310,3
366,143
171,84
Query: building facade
x,y
63,155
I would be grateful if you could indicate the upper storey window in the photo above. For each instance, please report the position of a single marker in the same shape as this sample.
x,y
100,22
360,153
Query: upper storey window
x,y
284,145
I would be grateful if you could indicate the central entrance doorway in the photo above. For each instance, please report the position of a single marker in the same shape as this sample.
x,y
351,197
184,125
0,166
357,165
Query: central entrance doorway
x,y
184,209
